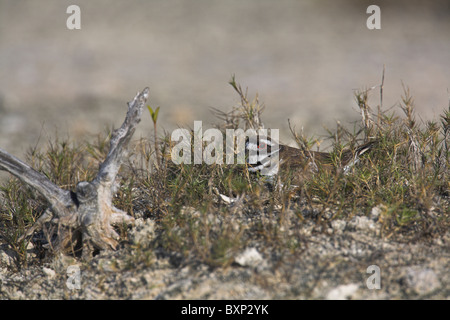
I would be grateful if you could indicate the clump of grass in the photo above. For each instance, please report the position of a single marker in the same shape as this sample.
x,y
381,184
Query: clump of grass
x,y
407,172
246,115
19,209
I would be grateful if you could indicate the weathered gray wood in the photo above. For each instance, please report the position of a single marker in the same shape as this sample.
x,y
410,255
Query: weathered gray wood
x,y
58,198
87,211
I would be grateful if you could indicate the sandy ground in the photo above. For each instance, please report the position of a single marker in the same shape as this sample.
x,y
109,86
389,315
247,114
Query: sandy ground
x,y
333,265
304,58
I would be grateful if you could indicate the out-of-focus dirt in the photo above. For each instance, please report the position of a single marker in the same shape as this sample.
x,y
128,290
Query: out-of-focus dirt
x,y
349,261
305,58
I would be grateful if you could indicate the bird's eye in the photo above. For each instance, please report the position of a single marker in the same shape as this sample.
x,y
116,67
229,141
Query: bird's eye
x,y
262,145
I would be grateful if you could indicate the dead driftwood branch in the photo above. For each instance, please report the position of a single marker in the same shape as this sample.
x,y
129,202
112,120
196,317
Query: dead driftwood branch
x,y
85,217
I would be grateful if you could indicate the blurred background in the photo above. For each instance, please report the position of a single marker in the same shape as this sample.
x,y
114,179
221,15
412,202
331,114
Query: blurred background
x,y
304,58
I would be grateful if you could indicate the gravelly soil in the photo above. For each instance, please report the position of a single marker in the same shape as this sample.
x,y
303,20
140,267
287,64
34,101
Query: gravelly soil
x,y
332,265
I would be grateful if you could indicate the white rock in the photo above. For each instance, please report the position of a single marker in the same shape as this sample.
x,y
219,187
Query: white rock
x,y
226,199
422,281
363,223
342,292
338,226
375,212
49,272
249,258
7,257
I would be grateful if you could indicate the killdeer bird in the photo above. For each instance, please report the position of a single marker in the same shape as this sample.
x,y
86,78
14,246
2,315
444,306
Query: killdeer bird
x,y
268,157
